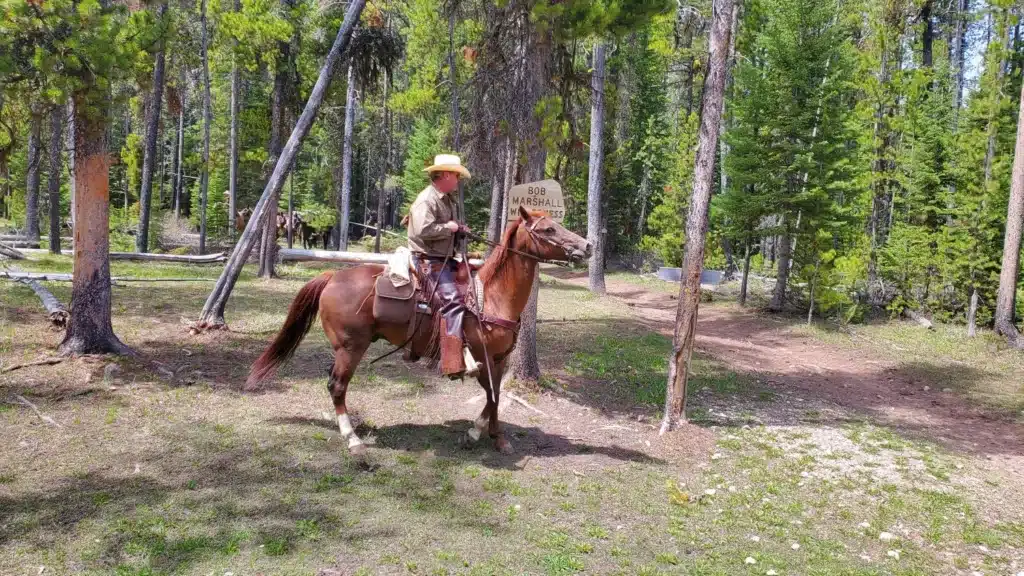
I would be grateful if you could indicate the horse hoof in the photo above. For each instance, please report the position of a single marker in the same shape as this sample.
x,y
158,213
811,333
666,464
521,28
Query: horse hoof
x,y
504,446
473,434
359,450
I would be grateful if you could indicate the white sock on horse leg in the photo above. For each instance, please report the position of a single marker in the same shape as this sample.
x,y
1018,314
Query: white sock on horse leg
x,y
345,425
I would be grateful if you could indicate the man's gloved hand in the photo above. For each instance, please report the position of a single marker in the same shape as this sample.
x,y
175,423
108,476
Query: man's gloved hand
x,y
464,230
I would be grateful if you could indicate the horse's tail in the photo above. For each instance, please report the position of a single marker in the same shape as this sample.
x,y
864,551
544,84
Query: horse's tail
x,y
300,319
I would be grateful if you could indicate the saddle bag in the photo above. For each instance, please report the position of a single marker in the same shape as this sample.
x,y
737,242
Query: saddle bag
x,y
391,304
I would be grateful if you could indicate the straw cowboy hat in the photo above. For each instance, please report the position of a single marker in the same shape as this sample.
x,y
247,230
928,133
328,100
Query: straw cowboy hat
x,y
448,163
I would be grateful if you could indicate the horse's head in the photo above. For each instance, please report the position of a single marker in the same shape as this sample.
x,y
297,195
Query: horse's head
x,y
549,240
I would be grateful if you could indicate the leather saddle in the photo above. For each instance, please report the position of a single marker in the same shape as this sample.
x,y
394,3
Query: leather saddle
x,y
419,304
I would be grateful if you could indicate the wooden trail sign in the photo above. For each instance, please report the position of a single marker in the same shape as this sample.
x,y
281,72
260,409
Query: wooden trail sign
x,y
545,195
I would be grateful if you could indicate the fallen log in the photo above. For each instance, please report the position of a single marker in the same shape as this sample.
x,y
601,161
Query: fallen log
x,y
10,252
297,255
58,313
149,257
22,243
184,258
60,277
919,319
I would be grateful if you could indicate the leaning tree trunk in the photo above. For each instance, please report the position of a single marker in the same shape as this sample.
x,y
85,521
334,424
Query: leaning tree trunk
x,y
594,220
53,186
233,139
697,220
204,174
213,310
1006,299
345,190
152,132
32,174
90,330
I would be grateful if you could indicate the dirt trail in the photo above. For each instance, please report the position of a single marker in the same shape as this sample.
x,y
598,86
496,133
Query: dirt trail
x,y
881,388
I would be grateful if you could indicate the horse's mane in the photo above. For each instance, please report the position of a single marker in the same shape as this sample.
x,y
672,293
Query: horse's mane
x,y
498,255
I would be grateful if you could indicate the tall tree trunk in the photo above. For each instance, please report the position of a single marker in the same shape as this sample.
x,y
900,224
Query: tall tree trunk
x,y
152,133
972,314
697,219
784,246
204,173
746,276
233,138
178,162
927,34
959,51
494,229
288,224
89,329
213,311
1008,273
53,185
345,190
594,221
384,169
278,115
69,135
453,80
523,365
35,162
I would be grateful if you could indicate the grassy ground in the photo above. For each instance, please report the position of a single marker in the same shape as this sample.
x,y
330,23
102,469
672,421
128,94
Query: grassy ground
x,y
147,477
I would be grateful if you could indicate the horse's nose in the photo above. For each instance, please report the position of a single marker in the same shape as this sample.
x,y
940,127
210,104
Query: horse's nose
x,y
589,250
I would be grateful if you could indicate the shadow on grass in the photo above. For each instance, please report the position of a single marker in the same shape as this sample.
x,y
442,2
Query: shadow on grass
x,y
448,440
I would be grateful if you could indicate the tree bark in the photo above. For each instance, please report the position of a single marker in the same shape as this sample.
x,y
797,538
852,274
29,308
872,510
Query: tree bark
x,y
345,192
594,220
784,246
152,133
384,170
90,330
972,313
746,275
1008,273
204,174
179,159
494,229
53,185
69,135
278,110
233,139
959,49
697,219
927,34
213,311
35,162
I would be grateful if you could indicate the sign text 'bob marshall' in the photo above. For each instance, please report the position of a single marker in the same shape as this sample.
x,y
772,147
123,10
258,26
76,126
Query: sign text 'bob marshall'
x,y
545,195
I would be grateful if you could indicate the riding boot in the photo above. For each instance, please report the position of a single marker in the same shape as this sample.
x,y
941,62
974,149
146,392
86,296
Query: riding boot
x,y
451,326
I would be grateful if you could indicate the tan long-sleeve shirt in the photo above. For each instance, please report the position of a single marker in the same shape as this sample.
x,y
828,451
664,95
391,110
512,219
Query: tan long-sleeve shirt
x,y
429,213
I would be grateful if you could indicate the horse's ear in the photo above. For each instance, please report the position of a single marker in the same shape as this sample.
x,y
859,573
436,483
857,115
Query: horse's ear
x,y
524,214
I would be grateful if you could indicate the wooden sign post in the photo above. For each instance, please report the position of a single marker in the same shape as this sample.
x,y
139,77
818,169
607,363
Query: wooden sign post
x,y
545,195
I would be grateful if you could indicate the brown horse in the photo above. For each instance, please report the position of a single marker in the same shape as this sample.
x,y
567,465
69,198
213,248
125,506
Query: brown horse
x,y
344,297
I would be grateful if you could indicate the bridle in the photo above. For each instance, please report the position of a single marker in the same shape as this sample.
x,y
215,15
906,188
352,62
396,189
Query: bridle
x,y
531,230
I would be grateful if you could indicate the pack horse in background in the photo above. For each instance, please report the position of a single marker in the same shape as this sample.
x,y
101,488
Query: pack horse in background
x,y
423,306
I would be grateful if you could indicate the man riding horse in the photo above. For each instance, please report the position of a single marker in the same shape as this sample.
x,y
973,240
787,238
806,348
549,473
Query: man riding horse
x,y
432,229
